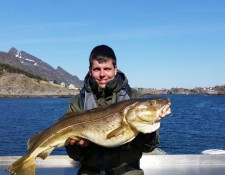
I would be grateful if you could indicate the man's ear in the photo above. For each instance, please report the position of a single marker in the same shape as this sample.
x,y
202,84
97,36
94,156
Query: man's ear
x,y
116,70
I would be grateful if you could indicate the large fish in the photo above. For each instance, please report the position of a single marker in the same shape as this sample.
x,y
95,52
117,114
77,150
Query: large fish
x,y
111,126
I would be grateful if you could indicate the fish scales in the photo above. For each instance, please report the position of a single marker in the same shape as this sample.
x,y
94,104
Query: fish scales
x,y
92,119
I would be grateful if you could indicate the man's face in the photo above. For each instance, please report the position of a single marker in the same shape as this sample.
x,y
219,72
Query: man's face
x,y
103,72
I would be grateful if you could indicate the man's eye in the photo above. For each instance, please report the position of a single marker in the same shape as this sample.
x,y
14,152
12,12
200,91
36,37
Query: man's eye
x,y
96,69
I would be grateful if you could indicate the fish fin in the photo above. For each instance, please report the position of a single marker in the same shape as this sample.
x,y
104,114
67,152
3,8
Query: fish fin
x,y
32,140
23,166
96,109
116,132
45,153
70,114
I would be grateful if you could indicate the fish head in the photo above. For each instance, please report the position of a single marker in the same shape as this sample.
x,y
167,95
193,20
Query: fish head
x,y
158,107
146,114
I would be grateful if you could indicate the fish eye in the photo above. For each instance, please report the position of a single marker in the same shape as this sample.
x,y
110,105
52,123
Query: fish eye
x,y
151,103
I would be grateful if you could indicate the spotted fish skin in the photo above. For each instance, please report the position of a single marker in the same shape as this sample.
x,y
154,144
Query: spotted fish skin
x,y
111,126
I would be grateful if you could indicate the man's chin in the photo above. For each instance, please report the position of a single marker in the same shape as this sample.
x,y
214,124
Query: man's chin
x,y
102,86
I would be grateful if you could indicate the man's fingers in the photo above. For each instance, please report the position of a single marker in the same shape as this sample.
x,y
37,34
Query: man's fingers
x,y
72,142
80,142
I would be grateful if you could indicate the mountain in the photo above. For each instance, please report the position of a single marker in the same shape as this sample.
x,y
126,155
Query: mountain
x,y
33,65
20,85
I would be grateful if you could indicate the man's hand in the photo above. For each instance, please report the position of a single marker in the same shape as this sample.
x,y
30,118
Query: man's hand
x,y
80,142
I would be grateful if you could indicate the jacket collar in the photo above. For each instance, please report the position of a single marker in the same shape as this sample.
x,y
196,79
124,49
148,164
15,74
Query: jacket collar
x,y
112,86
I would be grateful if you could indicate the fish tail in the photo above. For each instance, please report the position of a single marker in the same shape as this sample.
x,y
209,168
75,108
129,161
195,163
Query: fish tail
x,y
23,166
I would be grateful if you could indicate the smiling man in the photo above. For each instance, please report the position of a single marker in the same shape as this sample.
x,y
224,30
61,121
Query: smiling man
x,y
105,85
102,71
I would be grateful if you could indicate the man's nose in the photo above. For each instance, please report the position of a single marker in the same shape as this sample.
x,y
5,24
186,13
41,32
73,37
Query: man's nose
x,y
102,73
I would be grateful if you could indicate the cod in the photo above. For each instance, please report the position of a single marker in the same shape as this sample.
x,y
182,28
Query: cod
x,y
110,126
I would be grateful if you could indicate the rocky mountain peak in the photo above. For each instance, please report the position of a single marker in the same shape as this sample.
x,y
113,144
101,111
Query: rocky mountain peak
x,y
13,51
37,67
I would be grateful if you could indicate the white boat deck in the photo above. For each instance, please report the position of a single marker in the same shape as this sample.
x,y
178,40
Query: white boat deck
x,y
151,164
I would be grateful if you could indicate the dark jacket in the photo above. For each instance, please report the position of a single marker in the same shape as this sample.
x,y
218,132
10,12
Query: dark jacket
x,y
100,157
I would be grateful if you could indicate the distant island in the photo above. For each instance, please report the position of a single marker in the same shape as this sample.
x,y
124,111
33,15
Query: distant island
x,y
217,90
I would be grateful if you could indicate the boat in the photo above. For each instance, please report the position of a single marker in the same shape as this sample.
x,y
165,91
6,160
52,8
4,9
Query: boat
x,y
214,151
189,164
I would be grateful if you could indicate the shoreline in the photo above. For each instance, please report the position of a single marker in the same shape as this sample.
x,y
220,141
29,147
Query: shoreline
x,y
70,95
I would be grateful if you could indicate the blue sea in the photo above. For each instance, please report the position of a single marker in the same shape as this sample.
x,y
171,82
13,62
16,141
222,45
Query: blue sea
x,y
197,123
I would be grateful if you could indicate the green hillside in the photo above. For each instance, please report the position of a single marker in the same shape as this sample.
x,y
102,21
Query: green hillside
x,y
5,68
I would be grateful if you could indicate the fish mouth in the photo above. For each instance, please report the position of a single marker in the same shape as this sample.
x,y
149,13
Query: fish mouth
x,y
165,110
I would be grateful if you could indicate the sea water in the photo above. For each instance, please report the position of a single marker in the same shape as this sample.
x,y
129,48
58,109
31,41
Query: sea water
x,y
197,123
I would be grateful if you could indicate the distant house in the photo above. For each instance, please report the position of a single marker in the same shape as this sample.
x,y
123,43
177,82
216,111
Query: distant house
x,y
51,82
63,84
72,87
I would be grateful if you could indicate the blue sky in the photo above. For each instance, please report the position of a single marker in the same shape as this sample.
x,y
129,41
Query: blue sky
x,y
158,43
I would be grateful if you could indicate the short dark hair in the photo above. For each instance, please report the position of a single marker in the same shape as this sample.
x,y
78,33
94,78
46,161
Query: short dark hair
x,y
102,53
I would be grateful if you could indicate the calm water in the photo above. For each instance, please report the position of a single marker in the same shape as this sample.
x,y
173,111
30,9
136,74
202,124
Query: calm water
x,y
197,123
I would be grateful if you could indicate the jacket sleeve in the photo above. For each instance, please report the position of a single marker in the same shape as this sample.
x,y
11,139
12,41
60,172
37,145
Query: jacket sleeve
x,y
74,151
134,93
75,104
147,142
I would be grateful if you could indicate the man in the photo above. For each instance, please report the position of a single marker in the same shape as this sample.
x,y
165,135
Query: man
x,y
104,85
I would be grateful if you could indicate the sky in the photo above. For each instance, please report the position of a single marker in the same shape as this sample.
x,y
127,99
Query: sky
x,y
158,43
